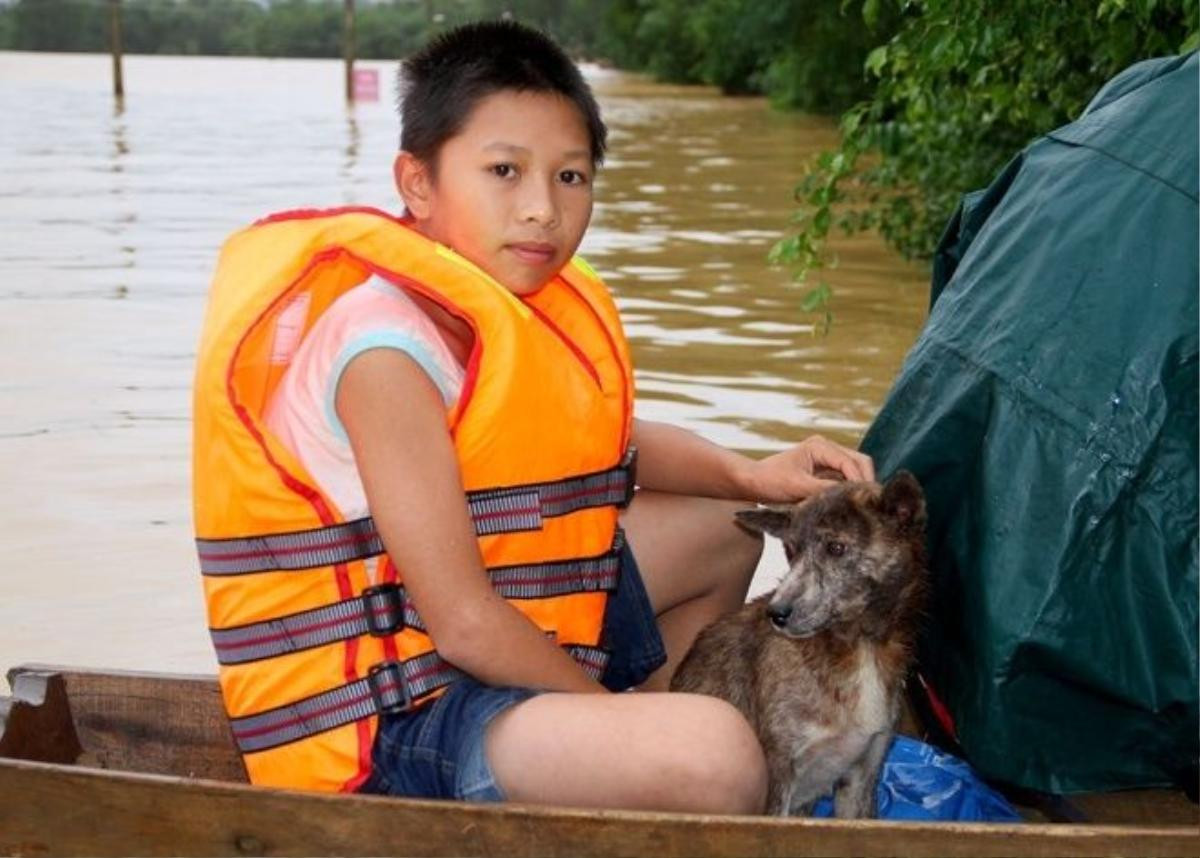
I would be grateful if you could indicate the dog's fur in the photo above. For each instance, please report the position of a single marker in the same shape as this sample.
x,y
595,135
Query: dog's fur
x,y
818,666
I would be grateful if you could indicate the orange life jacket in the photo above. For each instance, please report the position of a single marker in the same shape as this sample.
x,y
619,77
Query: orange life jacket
x,y
313,631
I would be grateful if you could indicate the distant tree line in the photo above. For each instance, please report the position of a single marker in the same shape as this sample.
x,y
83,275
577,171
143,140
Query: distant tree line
x,y
278,28
806,55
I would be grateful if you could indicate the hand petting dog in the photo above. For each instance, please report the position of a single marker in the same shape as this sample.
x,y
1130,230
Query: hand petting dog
x,y
813,465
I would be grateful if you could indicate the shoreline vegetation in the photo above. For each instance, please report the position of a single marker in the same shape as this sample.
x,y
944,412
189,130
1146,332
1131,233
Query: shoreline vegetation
x,y
934,96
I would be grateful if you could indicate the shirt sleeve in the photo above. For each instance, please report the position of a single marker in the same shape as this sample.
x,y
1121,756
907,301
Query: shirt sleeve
x,y
413,344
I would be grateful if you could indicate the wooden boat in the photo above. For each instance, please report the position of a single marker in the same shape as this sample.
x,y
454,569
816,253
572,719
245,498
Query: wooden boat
x,y
106,763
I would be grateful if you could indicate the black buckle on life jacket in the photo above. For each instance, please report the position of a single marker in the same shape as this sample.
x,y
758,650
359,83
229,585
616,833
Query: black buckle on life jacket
x,y
384,609
389,687
629,466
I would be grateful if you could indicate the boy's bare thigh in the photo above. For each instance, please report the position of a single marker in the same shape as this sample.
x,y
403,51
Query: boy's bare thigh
x,y
642,751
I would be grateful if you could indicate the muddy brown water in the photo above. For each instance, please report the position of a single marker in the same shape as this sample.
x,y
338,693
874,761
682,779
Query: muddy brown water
x,y
110,220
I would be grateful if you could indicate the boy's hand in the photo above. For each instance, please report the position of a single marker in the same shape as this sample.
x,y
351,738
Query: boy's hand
x,y
793,474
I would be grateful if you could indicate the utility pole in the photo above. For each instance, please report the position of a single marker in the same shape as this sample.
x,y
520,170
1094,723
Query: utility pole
x,y
348,48
114,32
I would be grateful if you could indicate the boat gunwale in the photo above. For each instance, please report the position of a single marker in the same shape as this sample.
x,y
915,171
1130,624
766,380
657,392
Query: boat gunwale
x,y
45,795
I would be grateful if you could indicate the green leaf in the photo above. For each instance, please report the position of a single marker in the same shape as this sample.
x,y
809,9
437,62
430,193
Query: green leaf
x,y
876,60
784,250
821,221
870,13
816,298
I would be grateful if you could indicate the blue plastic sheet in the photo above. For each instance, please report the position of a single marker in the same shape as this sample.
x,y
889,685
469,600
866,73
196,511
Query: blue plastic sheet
x,y
919,782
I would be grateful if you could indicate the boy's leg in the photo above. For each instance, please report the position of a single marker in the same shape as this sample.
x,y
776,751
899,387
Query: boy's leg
x,y
696,562
667,752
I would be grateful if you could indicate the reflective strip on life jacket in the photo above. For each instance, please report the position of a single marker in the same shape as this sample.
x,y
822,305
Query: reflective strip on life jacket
x,y
592,659
523,507
392,686
493,511
385,609
380,610
286,552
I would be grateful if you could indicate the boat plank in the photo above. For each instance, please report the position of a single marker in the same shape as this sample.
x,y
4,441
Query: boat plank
x,y
50,809
132,721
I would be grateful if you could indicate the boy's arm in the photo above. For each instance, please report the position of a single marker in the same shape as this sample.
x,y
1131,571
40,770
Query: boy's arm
x,y
671,459
396,422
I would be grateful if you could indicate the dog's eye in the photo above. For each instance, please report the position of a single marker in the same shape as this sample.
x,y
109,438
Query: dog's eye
x,y
835,548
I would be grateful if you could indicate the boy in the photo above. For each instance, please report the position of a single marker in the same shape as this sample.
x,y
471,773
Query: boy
x,y
480,367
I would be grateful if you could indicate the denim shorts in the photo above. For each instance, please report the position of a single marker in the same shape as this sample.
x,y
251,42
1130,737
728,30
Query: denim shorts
x,y
437,751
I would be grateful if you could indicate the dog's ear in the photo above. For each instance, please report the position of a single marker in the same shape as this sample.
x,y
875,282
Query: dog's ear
x,y
765,519
904,501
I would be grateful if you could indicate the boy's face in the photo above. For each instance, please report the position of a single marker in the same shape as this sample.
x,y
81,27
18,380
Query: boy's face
x,y
512,190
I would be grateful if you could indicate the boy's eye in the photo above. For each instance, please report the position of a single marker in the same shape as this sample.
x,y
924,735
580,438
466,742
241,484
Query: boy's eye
x,y
572,177
503,170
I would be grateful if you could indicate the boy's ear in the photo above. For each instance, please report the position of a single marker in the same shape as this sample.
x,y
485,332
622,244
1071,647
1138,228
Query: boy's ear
x,y
413,182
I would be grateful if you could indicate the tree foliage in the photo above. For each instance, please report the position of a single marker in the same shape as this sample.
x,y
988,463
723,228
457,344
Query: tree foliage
x,y
961,87
804,55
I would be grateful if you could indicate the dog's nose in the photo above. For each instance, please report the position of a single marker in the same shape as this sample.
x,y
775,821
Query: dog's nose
x,y
779,616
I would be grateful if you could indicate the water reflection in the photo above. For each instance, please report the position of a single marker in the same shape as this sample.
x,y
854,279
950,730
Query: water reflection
x,y
353,141
122,222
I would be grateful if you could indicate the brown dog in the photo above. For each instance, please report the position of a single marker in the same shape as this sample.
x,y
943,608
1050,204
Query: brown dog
x,y
818,666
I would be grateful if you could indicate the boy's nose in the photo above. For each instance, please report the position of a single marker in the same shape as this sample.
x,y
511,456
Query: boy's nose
x,y
538,206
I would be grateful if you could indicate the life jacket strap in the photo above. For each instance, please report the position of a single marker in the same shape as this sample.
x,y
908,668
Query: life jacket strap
x,y
391,686
501,510
291,551
592,659
378,611
518,508
386,608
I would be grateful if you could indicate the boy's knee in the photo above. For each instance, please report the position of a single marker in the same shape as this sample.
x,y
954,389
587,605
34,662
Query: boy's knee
x,y
731,766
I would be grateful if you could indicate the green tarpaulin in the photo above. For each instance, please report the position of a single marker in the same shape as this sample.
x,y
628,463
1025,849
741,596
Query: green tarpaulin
x,y
1049,408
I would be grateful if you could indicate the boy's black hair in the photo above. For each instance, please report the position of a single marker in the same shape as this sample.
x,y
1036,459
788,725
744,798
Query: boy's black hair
x,y
441,84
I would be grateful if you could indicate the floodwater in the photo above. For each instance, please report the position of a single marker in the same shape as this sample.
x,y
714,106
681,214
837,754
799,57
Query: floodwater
x,y
110,221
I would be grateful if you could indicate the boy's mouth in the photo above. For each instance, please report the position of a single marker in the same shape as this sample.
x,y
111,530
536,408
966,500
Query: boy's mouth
x,y
533,252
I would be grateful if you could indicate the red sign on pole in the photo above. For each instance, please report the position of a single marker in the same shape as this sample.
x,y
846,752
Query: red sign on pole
x,y
366,85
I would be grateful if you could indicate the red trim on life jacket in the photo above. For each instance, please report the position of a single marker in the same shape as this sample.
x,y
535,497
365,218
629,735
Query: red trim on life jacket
x,y
939,709
616,353
569,343
473,360
341,573
310,214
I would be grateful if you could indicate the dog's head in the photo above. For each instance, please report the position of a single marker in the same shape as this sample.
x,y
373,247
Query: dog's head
x,y
855,556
